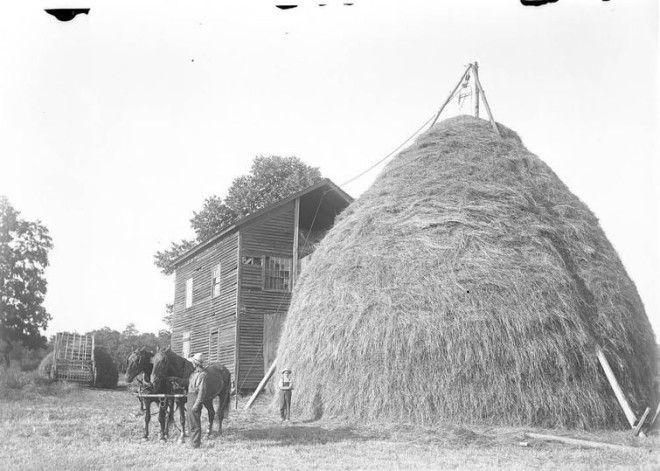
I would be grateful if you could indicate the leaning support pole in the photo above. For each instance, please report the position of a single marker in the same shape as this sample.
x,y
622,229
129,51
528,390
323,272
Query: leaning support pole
x,y
618,392
451,95
262,384
483,97
640,423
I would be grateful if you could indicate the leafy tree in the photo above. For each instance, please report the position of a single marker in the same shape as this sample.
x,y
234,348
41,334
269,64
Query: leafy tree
x,y
271,179
24,247
120,344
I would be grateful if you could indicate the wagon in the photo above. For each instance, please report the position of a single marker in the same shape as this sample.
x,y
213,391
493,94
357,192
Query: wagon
x,y
73,358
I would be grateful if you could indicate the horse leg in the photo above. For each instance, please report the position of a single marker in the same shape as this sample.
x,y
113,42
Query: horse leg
x,y
182,418
141,411
220,413
170,416
147,418
162,413
209,407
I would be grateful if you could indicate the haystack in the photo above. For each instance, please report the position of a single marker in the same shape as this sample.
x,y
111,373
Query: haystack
x,y
45,366
467,284
106,370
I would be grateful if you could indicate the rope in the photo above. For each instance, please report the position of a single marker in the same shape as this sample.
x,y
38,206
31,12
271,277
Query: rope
x,y
396,149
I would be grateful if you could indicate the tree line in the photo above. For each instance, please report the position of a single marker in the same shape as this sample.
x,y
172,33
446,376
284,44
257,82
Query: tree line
x,y
24,248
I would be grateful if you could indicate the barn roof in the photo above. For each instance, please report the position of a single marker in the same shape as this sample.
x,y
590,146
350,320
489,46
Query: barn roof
x,y
326,182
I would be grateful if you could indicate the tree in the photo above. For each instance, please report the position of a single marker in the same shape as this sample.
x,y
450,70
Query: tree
x,y
121,344
271,179
167,318
24,247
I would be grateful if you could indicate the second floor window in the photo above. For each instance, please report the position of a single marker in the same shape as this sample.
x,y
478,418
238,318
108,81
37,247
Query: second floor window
x,y
189,292
217,281
277,274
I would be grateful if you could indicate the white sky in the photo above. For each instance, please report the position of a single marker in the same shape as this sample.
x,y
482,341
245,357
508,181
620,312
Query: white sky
x,y
115,126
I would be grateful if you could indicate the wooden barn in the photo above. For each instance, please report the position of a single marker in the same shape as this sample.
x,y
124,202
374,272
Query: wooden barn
x,y
233,290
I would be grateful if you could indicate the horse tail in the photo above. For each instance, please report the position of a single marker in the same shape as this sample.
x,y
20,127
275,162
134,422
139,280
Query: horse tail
x,y
227,397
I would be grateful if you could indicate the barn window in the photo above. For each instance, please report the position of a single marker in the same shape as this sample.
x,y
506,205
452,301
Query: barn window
x,y
217,280
189,292
185,349
213,345
254,261
277,274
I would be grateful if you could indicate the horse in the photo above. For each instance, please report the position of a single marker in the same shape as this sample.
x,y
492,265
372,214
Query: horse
x,y
140,361
167,363
168,385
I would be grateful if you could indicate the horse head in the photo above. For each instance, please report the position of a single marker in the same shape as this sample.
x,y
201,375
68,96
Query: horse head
x,y
139,362
166,363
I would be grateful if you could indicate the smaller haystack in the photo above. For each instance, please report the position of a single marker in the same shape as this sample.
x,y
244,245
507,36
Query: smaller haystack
x,y
46,366
106,370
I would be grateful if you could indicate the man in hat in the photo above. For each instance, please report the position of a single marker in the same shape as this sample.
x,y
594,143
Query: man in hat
x,y
196,395
286,386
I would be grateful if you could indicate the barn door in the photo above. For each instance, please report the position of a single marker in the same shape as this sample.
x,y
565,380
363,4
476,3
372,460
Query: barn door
x,y
272,329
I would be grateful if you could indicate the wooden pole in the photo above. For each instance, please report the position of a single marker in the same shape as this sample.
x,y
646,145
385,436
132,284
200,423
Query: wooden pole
x,y
490,114
618,392
640,423
655,417
451,95
262,384
580,442
237,337
475,89
296,230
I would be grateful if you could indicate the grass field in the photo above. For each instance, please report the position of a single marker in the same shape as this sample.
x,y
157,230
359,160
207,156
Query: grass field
x,y
62,427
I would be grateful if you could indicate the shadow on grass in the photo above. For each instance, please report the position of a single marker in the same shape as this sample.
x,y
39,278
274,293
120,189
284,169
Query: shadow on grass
x,y
304,435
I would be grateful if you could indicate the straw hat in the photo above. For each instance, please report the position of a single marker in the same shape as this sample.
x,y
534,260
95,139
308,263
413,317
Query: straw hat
x,y
286,370
197,359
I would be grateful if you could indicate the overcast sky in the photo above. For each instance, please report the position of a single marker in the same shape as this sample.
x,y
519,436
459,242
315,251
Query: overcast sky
x,y
116,126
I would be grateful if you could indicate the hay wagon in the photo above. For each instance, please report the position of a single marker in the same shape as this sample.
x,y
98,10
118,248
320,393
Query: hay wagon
x,y
73,358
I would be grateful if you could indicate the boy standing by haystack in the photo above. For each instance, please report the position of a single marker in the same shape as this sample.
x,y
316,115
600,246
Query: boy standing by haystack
x,y
286,386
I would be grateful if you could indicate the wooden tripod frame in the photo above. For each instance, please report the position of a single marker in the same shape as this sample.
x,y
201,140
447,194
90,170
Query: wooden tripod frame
x,y
479,93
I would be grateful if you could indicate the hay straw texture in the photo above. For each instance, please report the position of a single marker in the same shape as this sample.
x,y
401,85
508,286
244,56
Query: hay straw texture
x,y
467,284
45,366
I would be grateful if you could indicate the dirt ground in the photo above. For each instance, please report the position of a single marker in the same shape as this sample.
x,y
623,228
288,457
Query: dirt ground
x,y
97,429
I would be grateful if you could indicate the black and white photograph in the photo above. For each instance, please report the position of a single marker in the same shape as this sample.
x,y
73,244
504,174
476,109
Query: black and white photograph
x,y
368,234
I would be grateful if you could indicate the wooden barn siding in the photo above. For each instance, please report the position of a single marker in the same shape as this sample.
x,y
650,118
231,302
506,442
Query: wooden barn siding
x,y
208,314
271,235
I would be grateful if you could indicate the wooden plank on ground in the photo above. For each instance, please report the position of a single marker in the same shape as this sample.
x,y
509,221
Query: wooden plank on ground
x,y
580,442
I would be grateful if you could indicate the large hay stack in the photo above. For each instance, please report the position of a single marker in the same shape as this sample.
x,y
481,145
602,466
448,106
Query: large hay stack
x,y
467,284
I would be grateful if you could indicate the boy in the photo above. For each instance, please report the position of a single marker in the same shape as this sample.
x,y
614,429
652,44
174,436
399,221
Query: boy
x,y
285,385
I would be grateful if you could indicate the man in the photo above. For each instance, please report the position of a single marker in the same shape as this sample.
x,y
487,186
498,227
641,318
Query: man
x,y
196,395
